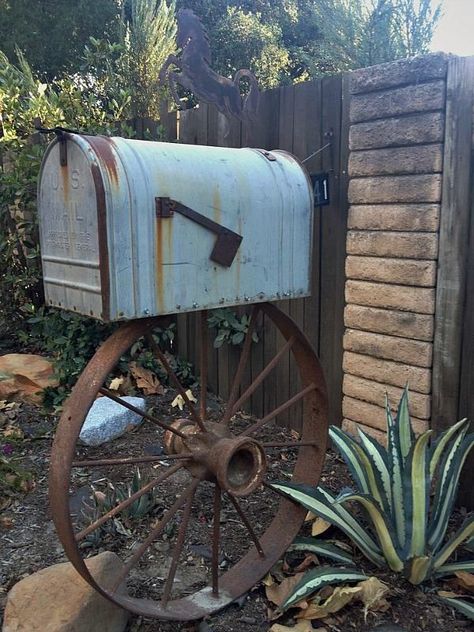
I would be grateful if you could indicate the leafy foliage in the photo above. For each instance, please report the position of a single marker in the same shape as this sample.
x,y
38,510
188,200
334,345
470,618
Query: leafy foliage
x,y
285,41
230,328
70,339
148,33
24,98
52,34
394,487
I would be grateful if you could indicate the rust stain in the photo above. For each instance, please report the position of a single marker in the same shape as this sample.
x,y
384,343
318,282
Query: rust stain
x,y
102,145
65,180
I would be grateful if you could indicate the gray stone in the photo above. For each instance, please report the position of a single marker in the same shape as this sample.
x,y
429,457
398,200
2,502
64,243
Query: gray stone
x,y
57,599
108,420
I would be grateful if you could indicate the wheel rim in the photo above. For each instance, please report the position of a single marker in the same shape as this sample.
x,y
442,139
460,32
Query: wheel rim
x,y
241,448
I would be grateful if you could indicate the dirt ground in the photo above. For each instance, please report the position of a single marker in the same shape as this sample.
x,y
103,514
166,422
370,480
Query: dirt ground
x,y
29,542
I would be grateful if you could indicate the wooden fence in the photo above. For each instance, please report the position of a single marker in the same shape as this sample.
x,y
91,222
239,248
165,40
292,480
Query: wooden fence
x,y
300,119
453,361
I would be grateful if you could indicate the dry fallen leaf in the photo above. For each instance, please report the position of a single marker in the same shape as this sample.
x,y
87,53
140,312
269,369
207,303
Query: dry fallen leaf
x,y
268,580
372,594
146,380
340,597
463,580
319,526
449,594
308,561
277,593
6,522
179,401
116,383
310,516
13,432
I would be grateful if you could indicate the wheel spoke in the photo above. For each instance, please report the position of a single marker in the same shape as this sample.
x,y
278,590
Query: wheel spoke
x,y
203,363
128,501
247,524
296,398
142,413
244,357
167,516
179,387
178,549
261,376
216,526
131,460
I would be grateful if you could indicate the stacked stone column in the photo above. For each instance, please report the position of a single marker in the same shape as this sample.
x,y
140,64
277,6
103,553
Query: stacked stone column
x,y
395,165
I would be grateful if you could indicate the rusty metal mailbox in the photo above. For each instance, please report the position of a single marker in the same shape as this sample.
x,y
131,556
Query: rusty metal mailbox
x,y
133,228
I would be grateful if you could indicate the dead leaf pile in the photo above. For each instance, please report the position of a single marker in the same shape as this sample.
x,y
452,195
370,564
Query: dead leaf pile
x,y
370,592
146,380
460,585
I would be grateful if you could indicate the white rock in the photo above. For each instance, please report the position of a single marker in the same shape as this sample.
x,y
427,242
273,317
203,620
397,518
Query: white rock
x,y
107,420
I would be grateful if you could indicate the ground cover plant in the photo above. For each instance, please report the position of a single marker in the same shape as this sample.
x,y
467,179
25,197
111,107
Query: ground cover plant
x,y
407,493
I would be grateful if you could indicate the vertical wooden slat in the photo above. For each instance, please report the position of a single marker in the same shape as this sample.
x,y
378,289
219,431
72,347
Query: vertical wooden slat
x,y
260,133
269,114
333,241
285,141
453,240
308,139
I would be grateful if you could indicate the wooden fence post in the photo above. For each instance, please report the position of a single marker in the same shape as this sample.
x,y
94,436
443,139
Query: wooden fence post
x,y
453,243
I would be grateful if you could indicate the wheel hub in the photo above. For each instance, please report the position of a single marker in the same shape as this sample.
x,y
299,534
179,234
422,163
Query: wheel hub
x,y
237,464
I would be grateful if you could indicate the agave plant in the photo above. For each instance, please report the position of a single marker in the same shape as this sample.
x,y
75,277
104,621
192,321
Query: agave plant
x,y
402,529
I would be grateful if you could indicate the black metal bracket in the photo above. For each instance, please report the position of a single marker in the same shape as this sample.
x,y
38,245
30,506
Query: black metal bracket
x,y
227,242
61,134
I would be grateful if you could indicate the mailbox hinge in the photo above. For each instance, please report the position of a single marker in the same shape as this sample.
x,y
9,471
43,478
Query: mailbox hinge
x,y
227,242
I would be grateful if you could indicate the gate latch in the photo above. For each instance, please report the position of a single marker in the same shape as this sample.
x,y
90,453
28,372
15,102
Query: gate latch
x,y
227,242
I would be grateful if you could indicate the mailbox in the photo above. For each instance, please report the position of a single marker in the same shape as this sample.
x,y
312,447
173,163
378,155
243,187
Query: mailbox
x,y
131,228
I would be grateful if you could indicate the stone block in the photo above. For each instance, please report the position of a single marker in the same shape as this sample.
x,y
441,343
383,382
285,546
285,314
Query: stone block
x,y
374,393
404,217
413,352
416,129
385,321
404,271
374,416
398,297
351,427
396,161
107,420
417,97
385,243
57,599
395,189
397,73
388,372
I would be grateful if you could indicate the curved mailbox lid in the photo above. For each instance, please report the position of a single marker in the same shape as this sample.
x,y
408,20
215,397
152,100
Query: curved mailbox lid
x,y
157,263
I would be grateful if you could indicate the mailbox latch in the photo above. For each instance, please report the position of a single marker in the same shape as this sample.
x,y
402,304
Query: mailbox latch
x,y
227,242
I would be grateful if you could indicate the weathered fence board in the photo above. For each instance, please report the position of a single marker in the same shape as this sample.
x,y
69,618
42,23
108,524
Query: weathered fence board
x,y
300,119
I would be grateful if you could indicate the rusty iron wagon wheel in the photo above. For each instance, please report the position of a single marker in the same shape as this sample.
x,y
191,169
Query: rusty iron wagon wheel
x,y
216,462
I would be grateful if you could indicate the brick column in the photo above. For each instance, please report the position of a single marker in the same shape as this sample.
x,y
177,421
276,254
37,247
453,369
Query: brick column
x,y
396,138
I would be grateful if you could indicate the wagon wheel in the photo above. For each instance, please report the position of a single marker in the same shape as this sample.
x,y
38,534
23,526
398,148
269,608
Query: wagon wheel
x,y
212,455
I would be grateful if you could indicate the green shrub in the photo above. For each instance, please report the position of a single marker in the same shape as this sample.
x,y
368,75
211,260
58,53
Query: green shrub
x,y
230,328
403,528
78,102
